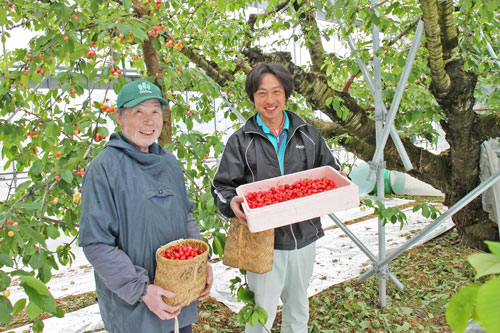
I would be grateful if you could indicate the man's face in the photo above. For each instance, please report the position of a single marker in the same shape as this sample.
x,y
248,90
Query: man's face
x,y
142,124
270,99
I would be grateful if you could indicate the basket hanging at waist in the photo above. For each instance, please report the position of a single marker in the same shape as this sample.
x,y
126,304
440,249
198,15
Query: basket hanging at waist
x,y
249,251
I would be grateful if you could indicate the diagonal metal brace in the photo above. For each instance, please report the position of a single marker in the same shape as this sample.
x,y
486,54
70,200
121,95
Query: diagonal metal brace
x,y
446,215
376,266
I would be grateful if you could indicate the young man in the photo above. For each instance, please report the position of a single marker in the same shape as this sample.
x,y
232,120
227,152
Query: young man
x,y
272,143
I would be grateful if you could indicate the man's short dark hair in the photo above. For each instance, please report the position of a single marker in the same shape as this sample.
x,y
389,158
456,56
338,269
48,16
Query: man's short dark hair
x,y
281,73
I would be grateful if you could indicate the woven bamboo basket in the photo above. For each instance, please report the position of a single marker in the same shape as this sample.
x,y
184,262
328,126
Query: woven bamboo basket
x,y
186,278
251,251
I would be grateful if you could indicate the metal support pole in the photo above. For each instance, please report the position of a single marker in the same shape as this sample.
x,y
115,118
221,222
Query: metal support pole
x,y
353,237
380,165
366,75
399,91
490,49
233,109
14,174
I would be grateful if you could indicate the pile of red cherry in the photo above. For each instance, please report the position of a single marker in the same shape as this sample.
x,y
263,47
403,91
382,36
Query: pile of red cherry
x,y
181,252
299,189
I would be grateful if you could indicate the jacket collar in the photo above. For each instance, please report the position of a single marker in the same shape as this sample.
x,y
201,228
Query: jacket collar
x,y
151,161
251,124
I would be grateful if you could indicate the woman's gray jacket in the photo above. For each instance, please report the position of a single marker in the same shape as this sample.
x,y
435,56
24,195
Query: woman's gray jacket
x,y
132,203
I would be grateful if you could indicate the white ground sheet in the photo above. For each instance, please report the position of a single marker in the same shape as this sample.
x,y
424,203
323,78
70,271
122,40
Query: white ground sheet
x,y
338,259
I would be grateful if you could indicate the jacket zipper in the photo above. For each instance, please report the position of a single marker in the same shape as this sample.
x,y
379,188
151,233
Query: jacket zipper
x,y
289,139
278,159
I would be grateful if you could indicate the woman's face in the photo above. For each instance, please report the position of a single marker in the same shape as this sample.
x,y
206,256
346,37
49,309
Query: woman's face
x,y
270,99
142,124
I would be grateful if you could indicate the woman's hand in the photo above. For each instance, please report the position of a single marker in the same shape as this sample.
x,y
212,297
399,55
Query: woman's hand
x,y
237,210
210,280
155,303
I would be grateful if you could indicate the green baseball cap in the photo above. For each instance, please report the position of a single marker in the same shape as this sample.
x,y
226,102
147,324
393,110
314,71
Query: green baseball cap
x,y
136,92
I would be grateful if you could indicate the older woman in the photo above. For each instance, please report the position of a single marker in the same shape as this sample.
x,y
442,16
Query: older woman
x,y
133,201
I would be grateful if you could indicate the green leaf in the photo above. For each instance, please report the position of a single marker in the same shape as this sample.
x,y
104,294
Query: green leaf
x,y
52,129
221,5
67,175
4,280
254,318
242,314
245,295
29,205
460,308
44,302
425,210
488,306
484,264
59,313
126,5
37,168
124,28
219,244
5,310
44,273
37,285
94,7
19,306
157,44
38,325
32,233
36,261
138,33
33,310
3,15
103,131
248,314
5,260
53,232
494,247
262,315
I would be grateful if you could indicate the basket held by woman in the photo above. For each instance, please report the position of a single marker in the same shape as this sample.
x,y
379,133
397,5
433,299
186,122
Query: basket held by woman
x,y
186,278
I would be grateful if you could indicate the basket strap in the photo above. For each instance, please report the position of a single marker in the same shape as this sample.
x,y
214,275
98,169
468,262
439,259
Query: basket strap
x,y
176,325
240,238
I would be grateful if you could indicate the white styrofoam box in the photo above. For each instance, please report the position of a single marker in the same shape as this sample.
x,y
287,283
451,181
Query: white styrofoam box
x,y
344,196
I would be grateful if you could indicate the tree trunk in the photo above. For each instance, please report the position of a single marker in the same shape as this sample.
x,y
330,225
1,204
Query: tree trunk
x,y
472,222
155,70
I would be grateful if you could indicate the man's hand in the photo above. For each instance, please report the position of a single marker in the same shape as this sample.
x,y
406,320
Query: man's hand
x,y
155,304
210,280
237,210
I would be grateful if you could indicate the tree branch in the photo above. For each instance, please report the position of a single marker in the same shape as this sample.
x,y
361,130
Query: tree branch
x,y
210,68
403,33
253,17
350,81
252,20
449,33
489,125
357,123
311,33
440,79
